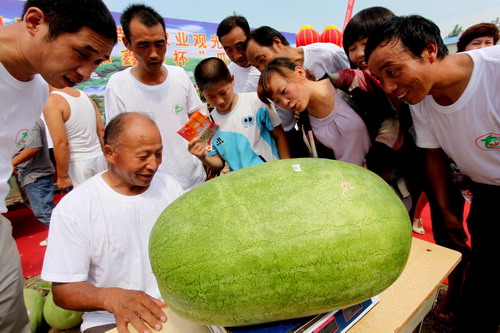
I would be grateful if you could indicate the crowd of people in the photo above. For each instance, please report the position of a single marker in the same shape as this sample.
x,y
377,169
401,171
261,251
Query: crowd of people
x,y
392,100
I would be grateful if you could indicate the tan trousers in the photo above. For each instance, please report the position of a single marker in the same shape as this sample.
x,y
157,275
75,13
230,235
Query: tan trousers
x,y
13,313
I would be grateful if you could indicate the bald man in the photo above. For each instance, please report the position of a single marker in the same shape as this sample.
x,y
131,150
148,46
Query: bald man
x,y
97,256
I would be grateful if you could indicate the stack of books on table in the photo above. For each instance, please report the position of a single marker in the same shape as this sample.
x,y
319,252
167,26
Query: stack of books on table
x,y
337,321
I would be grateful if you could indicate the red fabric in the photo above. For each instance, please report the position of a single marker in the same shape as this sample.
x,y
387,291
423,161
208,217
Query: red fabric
x,y
348,12
426,220
28,233
349,79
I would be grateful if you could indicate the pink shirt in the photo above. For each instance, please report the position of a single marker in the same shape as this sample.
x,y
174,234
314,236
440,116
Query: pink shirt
x,y
344,132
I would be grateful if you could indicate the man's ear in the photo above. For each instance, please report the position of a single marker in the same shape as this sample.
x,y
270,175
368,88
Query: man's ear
x,y
277,43
109,153
430,52
33,19
126,43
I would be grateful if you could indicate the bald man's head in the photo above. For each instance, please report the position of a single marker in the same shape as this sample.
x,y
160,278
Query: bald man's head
x,y
122,123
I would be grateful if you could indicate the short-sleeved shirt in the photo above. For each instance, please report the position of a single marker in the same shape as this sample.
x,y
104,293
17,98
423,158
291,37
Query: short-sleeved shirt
x,y
244,136
101,237
40,165
245,78
322,58
468,130
344,131
169,105
23,103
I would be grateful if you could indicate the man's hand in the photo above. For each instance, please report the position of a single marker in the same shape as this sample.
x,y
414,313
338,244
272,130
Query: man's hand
x,y
135,307
64,183
457,232
14,171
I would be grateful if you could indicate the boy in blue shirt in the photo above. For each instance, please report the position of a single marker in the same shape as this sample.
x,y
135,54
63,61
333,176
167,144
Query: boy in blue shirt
x,y
249,133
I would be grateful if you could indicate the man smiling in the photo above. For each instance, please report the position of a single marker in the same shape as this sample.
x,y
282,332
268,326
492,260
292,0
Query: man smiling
x,y
97,256
455,106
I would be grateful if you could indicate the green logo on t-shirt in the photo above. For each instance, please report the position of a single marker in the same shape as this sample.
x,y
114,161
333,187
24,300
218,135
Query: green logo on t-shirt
x,y
488,141
21,137
178,109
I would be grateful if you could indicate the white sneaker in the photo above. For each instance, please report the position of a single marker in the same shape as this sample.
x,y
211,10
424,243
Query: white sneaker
x,y
418,226
44,242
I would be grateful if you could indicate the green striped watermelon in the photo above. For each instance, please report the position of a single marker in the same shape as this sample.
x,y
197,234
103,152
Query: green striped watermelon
x,y
283,239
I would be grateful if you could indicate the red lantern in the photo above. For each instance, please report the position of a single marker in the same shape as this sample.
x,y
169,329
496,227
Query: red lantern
x,y
332,35
306,35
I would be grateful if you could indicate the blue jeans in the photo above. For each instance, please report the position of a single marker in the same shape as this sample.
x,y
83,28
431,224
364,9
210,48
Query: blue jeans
x,y
41,197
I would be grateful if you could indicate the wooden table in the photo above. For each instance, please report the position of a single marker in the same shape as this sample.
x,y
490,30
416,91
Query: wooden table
x,y
175,324
407,301
402,306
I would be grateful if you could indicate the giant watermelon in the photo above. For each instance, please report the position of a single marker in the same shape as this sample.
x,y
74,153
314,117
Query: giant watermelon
x,y
283,239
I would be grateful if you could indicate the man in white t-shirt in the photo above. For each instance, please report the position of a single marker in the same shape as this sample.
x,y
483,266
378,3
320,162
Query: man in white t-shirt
x,y
58,42
232,33
265,43
165,93
97,257
455,107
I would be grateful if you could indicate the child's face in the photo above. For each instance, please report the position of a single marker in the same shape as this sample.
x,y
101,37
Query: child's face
x,y
357,53
221,96
289,93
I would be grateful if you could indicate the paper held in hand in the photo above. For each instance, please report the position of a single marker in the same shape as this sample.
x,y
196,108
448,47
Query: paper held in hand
x,y
200,127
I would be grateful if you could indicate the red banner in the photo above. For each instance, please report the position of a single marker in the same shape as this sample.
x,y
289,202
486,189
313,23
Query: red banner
x,y
348,12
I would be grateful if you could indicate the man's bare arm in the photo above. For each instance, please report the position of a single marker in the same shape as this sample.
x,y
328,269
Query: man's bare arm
x,y
128,306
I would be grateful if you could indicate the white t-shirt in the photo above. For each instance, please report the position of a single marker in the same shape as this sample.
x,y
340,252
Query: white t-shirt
x,y
322,58
168,104
81,127
101,237
343,131
468,130
22,105
244,136
245,79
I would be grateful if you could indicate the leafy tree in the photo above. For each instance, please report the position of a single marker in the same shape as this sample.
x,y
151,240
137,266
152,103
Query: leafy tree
x,y
456,31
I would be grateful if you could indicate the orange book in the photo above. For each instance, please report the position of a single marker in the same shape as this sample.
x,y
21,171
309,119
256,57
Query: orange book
x,y
200,127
